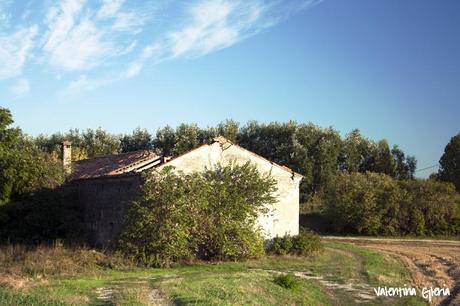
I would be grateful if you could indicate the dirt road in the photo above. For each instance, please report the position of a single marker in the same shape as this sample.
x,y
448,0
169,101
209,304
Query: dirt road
x,y
433,263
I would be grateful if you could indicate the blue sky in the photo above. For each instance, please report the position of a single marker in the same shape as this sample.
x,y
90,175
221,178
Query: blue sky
x,y
390,68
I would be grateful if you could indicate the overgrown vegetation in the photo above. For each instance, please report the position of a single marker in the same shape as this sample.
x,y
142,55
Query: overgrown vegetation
x,y
376,204
449,170
304,244
210,215
23,168
43,216
18,262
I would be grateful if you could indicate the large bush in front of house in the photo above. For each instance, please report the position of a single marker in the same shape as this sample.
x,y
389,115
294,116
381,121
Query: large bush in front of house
x,y
210,215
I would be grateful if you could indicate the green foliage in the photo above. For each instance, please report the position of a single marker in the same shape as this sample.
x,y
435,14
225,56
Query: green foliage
x,y
23,168
315,152
287,281
43,216
449,170
140,139
280,245
210,215
304,244
429,207
373,204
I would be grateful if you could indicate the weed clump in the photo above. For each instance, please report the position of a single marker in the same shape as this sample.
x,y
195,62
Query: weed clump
x,y
287,281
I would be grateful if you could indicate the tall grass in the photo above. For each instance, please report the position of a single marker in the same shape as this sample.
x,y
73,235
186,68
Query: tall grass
x,y
43,261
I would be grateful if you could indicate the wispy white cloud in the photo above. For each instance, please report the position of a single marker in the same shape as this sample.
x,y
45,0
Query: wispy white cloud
x,y
129,20
147,53
207,26
211,25
5,15
82,48
209,29
20,88
84,84
77,40
73,44
102,38
14,50
109,8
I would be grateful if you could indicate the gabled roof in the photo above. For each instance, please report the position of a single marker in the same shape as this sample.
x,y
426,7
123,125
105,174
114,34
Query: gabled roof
x,y
225,142
138,161
112,165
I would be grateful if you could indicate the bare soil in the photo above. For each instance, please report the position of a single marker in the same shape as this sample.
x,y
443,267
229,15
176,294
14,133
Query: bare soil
x,y
432,263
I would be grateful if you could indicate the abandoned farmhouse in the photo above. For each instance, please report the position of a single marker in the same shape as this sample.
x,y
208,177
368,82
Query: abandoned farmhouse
x,y
107,184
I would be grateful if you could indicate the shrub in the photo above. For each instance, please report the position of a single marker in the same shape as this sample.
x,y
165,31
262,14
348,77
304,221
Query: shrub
x,y
287,281
210,215
363,203
373,204
304,244
43,216
429,207
280,245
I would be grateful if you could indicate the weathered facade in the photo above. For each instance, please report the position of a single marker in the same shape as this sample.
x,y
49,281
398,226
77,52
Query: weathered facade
x,y
107,185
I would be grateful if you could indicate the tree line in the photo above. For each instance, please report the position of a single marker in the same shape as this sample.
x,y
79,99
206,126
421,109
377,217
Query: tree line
x,y
330,163
317,153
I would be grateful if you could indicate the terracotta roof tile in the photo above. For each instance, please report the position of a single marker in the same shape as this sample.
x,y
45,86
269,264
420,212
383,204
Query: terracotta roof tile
x,y
112,164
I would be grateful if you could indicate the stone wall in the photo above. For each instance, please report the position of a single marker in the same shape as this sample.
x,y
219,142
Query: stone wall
x,y
104,201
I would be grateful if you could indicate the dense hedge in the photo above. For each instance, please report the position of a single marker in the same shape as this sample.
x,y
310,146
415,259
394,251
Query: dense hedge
x,y
210,215
376,204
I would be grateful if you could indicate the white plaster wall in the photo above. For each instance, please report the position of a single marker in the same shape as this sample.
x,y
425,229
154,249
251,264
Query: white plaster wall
x,y
283,217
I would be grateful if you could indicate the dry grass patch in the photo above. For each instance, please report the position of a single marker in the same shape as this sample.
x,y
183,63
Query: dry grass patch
x,y
56,260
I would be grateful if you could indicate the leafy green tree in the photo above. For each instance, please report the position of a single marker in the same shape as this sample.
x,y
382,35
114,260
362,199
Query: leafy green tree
x,y
228,129
430,207
23,168
384,160
351,155
140,139
184,138
405,166
99,142
52,144
364,203
449,170
187,138
411,164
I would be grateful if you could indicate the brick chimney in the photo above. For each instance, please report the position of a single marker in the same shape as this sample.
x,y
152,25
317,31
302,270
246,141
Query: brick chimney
x,y
66,155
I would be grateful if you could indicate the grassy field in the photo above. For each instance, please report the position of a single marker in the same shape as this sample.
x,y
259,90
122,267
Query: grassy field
x,y
342,275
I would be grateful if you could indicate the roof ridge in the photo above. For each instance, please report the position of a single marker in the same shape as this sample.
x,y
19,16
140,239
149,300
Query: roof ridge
x,y
117,154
